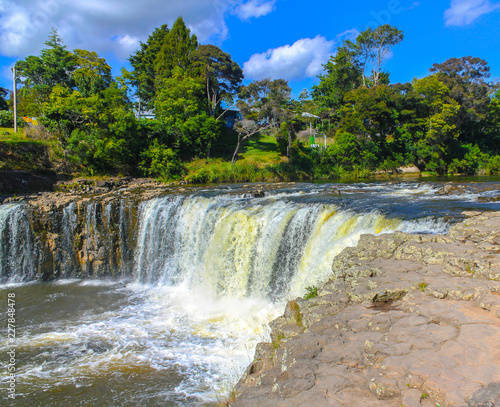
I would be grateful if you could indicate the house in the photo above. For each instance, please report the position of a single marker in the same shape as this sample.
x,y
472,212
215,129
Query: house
x,y
232,116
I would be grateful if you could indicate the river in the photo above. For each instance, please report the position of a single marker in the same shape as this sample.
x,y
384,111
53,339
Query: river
x,y
209,271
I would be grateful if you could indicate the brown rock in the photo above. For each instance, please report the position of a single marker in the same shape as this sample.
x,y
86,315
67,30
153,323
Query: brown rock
x,y
405,320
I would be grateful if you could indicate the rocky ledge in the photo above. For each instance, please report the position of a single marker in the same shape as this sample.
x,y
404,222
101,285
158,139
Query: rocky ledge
x,y
406,320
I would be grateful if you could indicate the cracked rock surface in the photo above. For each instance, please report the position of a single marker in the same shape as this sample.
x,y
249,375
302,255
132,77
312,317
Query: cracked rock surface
x,y
406,320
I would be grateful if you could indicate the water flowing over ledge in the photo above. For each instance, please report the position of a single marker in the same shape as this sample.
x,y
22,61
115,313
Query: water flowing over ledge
x,y
196,278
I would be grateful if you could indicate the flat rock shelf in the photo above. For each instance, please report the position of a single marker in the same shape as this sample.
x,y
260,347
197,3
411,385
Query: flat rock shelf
x,y
406,320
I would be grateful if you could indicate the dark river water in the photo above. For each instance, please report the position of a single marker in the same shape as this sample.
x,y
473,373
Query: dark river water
x,y
211,270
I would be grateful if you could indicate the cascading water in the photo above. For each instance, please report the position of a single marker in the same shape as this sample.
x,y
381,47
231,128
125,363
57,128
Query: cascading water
x,y
17,249
245,247
81,239
206,274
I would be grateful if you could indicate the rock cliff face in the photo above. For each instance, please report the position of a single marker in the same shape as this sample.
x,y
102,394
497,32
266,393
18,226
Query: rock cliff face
x,y
88,231
406,320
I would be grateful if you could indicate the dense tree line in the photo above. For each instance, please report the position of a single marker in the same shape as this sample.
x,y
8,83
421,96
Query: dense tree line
x,y
94,115
446,122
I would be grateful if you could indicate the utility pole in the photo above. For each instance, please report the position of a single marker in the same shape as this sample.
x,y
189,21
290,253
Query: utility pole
x,y
14,93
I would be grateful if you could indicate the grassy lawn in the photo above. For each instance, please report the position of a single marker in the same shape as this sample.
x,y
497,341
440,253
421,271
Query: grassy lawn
x,y
7,134
258,153
261,150
18,152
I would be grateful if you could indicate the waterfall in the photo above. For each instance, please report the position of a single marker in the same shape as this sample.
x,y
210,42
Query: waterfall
x,y
228,246
205,273
17,249
88,238
245,247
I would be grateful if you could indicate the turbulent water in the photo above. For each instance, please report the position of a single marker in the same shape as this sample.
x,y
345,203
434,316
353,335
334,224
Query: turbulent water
x,y
208,271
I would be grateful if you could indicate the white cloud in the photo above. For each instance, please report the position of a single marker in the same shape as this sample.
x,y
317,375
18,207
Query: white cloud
x,y
348,35
463,12
302,59
104,26
255,8
128,44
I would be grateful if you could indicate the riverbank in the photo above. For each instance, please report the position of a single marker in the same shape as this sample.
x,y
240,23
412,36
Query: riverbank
x,y
407,320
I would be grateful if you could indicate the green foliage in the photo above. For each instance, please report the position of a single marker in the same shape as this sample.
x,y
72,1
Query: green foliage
x,y
369,51
264,100
492,165
180,106
222,76
218,171
277,340
434,142
7,119
3,102
54,66
160,161
342,74
311,292
472,160
99,131
20,153
143,73
92,74
492,136
447,122
422,286
348,152
467,80
176,51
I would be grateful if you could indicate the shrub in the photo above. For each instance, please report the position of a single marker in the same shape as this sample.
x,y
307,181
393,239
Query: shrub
x,y
492,166
7,119
160,161
311,292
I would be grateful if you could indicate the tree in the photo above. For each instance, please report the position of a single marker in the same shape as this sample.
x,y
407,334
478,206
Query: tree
x,y
432,148
370,114
99,133
467,80
180,105
245,129
3,102
288,134
384,38
143,73
222,76
371,49
92,74
176,50
160,161
54,66
342,74
493,125
263,104
265,100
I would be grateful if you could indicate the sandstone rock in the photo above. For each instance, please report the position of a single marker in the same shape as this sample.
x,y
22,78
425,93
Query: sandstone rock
x,y
405,320
488,396
450,189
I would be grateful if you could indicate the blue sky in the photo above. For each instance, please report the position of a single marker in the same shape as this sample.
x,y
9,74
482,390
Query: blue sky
x,y
287,39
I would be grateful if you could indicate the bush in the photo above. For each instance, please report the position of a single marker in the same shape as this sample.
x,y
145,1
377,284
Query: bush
x,y
492,166
311,292
473,159
160,161
7,119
